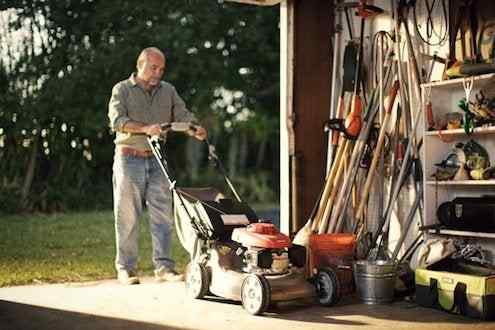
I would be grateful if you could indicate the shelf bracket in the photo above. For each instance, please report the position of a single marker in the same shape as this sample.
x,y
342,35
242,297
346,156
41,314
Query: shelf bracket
x,y
468,83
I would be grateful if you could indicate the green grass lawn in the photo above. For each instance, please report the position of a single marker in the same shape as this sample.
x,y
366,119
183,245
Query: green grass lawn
x,y
66,248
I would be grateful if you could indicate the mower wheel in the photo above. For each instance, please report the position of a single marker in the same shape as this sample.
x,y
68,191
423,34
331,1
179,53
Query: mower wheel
x,y
255,294
327,287
197,280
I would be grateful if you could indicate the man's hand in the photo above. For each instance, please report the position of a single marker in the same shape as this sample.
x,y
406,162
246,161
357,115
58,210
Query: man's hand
x,y
200,133
152,130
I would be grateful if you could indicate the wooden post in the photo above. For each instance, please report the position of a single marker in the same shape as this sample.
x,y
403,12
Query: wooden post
x,y
311,83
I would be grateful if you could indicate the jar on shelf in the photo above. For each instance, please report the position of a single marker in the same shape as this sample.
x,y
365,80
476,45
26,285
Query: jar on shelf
x,y
454,120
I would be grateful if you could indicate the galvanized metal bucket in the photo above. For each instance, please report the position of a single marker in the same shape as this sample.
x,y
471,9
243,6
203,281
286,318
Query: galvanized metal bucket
x,y
375,280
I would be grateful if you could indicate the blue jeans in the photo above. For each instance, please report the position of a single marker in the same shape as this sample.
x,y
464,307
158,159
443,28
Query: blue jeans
x,y
139,183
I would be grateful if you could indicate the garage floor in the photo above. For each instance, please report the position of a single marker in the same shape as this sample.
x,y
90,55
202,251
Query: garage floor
x,y
153,306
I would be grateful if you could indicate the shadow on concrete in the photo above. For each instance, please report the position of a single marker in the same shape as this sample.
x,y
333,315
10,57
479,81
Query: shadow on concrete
x,y
348,307
300,310
220,300
15,316
308,310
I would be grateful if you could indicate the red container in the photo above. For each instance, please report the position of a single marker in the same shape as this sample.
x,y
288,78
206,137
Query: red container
x,y
336,244
335,251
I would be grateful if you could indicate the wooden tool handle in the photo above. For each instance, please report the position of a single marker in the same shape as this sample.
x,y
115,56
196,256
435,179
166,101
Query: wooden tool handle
x,y
381,138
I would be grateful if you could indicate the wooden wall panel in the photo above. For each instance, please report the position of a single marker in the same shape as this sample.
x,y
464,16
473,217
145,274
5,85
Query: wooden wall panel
x,y
311,99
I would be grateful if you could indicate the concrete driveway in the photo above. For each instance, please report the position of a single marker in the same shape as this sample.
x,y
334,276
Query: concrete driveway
x,y
109,305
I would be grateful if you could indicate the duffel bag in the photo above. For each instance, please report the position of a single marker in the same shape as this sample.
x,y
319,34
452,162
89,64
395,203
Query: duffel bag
x,y
468,213
461,292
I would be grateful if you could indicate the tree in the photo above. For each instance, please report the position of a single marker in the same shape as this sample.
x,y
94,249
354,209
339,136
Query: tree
x,y
57,149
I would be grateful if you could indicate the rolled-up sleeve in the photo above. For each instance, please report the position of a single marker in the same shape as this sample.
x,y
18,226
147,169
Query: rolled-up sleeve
x,y
117,110
180,111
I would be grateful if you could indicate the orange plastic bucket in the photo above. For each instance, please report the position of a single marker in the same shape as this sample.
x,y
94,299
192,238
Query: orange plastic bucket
x,y
337,252
340,244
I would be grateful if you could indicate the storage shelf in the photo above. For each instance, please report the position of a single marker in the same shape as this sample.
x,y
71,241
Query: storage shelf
x,y
460,131
444,96
461,233
462,183
457,81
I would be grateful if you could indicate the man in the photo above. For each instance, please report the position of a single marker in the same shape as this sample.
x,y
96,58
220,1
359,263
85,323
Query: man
x,y
137,107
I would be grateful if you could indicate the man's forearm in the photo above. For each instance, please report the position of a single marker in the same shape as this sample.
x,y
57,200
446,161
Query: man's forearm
x,y
134,127
141,128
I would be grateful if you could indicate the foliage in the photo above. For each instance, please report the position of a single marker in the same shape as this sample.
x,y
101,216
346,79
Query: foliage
x,y
255,188
60,60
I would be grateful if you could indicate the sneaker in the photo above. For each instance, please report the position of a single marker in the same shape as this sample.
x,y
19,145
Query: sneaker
x,y
127,277
164,274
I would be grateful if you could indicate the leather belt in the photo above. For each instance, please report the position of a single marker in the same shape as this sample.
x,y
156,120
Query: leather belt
x,y
126,151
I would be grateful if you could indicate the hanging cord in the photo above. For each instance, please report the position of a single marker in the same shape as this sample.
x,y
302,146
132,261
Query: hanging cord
x,y
431,30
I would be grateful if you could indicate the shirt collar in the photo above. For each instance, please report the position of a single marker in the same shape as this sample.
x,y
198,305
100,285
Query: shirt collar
x,y
134,83
133,80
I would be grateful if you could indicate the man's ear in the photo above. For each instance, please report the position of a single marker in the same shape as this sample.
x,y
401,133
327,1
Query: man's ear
x,y
139,64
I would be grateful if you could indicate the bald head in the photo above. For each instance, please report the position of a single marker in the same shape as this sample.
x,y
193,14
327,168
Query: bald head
x,y
150,67
145,53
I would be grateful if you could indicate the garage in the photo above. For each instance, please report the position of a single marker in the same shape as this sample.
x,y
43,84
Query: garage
x,y
394,194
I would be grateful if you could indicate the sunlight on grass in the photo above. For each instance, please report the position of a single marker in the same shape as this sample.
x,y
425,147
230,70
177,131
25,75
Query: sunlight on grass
x,y
66,248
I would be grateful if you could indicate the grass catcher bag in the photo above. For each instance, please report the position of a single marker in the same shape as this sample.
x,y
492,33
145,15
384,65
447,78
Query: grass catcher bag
x,y
457,286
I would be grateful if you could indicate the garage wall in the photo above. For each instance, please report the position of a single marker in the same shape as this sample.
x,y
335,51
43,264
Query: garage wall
x,y
486,10
291,89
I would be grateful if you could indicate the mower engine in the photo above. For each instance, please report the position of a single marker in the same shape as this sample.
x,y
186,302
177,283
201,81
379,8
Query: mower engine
x,y
266,248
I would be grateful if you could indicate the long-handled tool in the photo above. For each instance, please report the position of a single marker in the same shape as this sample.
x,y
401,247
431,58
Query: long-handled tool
x,y
353,121
337,124
302,236
407,224
313,223
339,170
398,184
351,126
411,153
337,39
381,167
357,153
376,156
330,183
356,156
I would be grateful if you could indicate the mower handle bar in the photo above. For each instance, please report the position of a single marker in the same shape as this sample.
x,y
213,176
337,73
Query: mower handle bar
x,y
188,128
185,127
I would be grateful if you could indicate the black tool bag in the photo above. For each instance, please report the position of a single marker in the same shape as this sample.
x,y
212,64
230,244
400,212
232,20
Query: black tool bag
x,y
469,214
460,288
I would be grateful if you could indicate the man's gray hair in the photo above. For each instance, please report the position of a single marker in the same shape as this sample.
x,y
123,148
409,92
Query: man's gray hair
x,y
143,56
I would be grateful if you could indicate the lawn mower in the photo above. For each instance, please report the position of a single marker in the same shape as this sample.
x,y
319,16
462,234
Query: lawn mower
x,y
235,254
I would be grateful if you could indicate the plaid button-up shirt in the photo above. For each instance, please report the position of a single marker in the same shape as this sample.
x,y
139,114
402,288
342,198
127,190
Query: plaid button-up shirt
x,y
130,101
